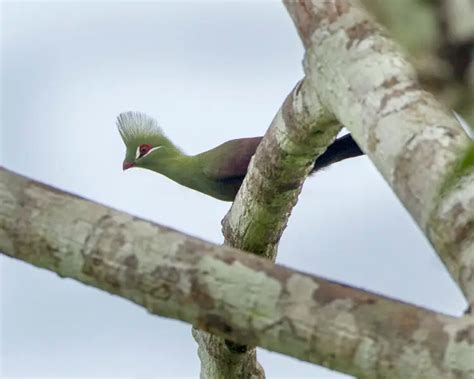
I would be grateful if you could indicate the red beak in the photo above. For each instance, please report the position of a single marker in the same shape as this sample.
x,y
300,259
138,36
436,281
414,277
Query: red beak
x,y
127,165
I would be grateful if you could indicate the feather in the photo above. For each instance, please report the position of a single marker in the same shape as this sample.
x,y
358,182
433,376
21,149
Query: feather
x,y
136,125
231,159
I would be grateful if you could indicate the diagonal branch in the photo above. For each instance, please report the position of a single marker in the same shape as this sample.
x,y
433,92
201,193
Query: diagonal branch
x,y
417,144
300,132
181,277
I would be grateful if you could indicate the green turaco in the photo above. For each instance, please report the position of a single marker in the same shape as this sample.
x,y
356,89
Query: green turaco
x,y
218,172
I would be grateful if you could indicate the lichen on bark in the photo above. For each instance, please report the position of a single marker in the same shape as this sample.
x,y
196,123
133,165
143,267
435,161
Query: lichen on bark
x,y
178,276
366,81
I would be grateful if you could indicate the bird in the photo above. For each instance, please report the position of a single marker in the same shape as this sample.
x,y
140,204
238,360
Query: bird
x,y
218,172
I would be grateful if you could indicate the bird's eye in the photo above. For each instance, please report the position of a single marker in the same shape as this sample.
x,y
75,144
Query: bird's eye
x,y
145,149
142,150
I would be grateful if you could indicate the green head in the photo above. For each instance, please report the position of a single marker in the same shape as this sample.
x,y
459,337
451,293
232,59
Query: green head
x,y
145,142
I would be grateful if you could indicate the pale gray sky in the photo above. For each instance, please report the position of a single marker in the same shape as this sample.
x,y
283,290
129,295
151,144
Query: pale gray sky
x,y
208,72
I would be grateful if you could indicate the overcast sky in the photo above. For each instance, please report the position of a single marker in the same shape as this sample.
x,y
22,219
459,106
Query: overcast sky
x,y
208,72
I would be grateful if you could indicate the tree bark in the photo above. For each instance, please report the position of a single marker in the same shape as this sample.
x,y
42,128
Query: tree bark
x,y
416,143
357,75
439,36
300,132
177,276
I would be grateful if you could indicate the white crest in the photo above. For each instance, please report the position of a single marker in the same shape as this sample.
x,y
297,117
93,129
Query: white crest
x,y
134,125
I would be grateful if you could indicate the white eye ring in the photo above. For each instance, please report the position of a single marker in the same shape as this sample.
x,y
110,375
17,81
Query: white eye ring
x,y
137,154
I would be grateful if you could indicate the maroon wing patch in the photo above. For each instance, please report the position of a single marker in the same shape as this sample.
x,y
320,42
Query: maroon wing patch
x,y
231,159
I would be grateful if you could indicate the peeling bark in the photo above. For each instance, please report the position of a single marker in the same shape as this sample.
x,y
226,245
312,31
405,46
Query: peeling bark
x,y
416,143
177,276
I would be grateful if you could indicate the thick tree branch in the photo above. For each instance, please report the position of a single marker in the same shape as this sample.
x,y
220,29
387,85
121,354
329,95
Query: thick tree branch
x,y
417,144
181,277
300,132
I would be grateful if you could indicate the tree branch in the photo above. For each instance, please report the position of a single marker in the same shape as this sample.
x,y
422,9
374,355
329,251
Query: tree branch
x,y
417,145
300,132
181,277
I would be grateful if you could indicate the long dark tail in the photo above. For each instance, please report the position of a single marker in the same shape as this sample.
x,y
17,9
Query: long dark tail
x,y
342,148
